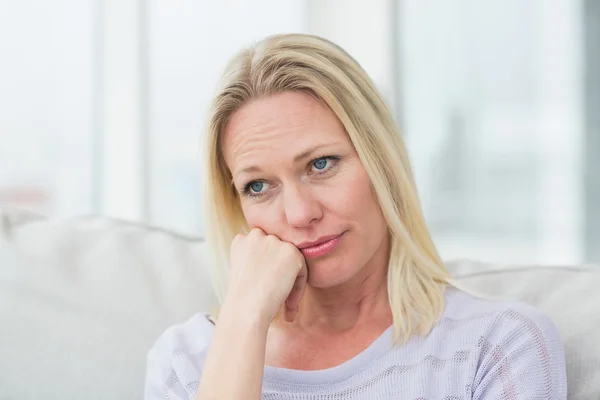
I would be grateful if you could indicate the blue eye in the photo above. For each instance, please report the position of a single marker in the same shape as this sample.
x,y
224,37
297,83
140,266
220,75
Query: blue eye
x,y
256,186
320,164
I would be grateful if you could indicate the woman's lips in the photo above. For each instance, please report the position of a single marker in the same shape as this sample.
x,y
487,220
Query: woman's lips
x,y
321,249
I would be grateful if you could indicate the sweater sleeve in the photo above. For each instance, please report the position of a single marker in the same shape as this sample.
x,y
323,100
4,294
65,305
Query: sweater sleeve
x,y
521,358
173,364
161,382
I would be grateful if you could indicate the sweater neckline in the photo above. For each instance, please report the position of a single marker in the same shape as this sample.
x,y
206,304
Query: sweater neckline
x,y
334,374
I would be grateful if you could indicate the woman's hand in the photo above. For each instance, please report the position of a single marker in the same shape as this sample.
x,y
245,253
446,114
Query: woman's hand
x,y
265,273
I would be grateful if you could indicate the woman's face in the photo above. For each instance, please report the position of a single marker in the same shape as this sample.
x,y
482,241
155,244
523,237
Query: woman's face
x,y
299,178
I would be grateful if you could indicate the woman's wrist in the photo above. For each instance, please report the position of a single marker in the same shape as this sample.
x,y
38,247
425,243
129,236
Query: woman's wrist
x,y
242,318
234,365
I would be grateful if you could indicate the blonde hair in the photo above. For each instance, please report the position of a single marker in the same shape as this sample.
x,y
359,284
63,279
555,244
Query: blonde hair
x,y
296,62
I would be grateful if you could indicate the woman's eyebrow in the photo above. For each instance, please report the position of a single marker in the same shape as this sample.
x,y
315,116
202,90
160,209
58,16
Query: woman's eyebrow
x,y
307,153
246,170
301,156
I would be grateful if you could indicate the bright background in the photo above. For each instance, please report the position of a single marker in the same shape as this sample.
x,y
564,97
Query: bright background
x,y
102,105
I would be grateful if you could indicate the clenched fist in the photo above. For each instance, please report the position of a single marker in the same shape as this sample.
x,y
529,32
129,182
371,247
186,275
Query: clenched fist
x,y
265,273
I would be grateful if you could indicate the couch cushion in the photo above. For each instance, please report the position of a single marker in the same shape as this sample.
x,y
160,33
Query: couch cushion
x,y
569,295
82,300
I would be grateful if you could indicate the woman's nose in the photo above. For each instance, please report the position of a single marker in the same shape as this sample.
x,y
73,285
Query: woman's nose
x,y
300,206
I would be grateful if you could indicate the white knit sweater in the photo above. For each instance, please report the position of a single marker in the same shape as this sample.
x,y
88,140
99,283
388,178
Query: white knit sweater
x,y
480,349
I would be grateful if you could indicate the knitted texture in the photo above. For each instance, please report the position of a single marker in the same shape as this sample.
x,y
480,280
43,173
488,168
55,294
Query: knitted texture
x,y
480,349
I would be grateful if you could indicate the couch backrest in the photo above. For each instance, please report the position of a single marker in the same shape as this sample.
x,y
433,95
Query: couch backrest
x,y
82,300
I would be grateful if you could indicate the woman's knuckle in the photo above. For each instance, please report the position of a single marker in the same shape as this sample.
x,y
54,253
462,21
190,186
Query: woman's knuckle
x,y
272,238
290,249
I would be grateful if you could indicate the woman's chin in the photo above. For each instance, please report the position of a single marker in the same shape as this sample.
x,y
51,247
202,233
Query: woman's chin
x,y
324,274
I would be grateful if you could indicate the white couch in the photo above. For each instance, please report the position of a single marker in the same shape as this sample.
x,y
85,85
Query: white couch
x,y
82,300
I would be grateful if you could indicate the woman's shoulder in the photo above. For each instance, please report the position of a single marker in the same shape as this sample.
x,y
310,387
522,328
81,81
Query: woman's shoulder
x,y
192,336
509,329
173,363
506,335
493,313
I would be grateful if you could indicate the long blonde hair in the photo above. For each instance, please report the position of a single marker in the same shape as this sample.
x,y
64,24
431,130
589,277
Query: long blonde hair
x,y
310,64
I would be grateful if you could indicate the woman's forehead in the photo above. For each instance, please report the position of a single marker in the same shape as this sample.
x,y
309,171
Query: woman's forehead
x,y
286,123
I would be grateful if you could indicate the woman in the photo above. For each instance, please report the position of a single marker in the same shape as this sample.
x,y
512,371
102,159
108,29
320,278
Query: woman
x,y
334,288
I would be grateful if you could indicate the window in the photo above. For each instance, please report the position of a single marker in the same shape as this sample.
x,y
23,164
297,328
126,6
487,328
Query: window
x,y
47,98
493,109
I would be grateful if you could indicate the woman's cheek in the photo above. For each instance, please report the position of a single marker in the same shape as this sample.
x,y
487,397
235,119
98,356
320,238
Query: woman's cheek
x,y
260,215
350,191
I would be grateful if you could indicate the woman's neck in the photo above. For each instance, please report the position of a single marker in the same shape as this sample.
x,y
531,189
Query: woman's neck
x,y
333,324
363,299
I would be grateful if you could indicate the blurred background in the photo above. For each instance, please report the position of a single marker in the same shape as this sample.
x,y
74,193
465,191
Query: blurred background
x,y
103,102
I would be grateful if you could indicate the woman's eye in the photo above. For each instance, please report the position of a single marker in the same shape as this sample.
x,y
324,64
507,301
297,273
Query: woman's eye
x,y
256,187
320,164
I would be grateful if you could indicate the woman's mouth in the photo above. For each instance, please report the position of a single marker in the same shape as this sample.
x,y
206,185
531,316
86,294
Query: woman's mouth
x,y
321,246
